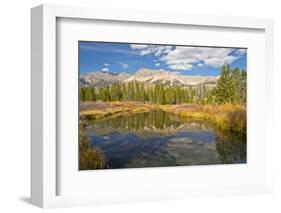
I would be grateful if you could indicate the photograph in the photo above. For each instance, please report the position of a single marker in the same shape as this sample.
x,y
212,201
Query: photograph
x,y
159,105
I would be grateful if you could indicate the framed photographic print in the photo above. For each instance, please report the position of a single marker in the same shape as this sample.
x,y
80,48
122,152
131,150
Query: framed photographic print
x,y
149,106
152,105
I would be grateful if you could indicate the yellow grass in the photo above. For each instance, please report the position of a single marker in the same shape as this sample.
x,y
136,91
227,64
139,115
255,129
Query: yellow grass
x,y
114,108
226,116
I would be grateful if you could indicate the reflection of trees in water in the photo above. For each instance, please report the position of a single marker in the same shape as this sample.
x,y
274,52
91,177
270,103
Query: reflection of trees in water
x,y
89,157
154,119
231,147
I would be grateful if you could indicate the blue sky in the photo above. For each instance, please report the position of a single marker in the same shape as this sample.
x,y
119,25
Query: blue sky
x,y
185,60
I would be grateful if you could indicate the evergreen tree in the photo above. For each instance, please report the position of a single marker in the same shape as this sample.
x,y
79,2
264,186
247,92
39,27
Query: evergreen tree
x,y
223,89
162,95
113,92
170,95
179,95
231,88
137,92
243,87
124,92
152,97
236,85
90,94
142,94
131,92
94,97
107,94
82,94
102,94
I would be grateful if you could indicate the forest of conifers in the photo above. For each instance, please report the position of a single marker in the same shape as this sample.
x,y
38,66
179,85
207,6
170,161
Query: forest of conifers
x,y
230,88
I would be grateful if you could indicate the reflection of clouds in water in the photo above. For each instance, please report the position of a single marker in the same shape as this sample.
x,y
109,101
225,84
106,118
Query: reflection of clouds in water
x,y
148,124
161,139
181,140
187,148
210,146
184,148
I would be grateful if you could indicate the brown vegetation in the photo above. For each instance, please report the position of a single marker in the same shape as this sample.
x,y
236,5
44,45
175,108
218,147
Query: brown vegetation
x,y
226,116
89,157
229,117
97,110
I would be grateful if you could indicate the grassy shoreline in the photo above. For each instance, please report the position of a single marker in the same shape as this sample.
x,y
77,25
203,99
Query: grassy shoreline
x,y
99,110
228,117
225,116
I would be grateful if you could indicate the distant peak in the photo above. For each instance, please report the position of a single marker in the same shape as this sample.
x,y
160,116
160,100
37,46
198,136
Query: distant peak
x,y
124,73
146,71
106,71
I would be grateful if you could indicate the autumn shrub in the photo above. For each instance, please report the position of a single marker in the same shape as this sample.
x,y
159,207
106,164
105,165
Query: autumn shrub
x,y
89,157
226,116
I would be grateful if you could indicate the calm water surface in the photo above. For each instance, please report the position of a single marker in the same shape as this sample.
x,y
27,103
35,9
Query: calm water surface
x,y
158,138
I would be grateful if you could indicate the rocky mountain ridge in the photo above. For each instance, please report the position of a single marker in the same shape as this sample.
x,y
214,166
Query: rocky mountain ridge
x,y
147,76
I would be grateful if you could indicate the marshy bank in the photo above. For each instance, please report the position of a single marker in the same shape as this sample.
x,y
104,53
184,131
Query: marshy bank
x,y
157,138
231,117
135,134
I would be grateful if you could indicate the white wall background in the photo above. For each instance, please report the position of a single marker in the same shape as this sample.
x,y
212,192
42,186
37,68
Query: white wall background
x,y
15,103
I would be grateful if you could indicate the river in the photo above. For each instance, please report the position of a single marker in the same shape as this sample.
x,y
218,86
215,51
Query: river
x,y
158,138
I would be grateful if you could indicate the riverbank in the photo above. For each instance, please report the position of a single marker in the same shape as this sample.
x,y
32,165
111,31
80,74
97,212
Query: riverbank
x,y
226,116
99,109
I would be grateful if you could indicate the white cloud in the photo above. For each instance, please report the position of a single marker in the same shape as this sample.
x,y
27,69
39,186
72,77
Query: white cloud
x,y
124,65
186,57
220,61
106,64
181,66
241,51
157,64
157,50
105,69
138,46
146,51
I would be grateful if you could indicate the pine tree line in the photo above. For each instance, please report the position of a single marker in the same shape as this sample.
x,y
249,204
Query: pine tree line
x,y
231,88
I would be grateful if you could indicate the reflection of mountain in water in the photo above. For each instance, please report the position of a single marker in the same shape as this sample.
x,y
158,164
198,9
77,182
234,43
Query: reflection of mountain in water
x,y
147,124
158,138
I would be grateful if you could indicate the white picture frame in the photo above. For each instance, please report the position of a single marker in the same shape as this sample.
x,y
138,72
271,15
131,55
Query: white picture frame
x,y
44,135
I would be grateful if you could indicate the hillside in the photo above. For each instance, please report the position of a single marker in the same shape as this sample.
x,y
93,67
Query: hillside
x,y
147,76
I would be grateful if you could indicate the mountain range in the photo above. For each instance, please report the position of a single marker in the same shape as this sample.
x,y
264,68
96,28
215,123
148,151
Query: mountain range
x,y
147,76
